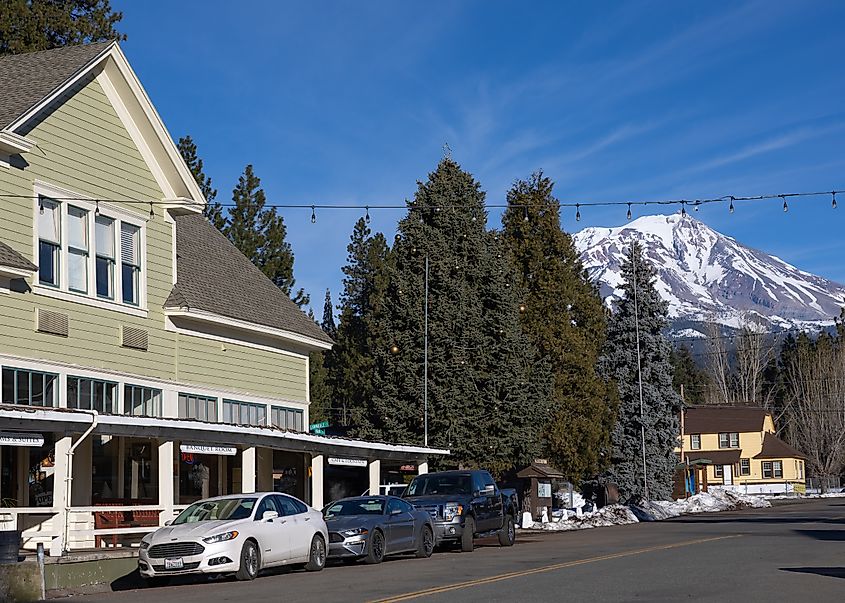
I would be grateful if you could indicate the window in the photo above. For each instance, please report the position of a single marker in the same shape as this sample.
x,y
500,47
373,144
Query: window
x,y
394,506
695,441
287,418
104,268
745,466
767,469
30,388
77,248
268,503
130,257
49,241
91,394
141,401
288,506
777,468
718,470
244,413
729,440
201,408
800,469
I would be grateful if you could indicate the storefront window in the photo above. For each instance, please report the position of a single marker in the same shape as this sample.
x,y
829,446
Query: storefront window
x,y
91,394
199,476
141,401
31,388
105,460
140,479
41,472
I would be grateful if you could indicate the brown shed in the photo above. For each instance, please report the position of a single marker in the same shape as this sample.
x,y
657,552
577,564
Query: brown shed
x,y
540,475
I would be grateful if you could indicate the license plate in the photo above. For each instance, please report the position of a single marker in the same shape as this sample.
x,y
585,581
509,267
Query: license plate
x,y
173,564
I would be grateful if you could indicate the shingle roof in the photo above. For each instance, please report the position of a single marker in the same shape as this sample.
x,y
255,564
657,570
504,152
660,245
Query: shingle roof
x,y
719,457
212,275
26,79
775,448
12,259
722,419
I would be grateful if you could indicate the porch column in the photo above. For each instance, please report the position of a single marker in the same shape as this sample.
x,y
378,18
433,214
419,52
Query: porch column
x,y
317,481
375,477
249,458
165,481
422,467
264,477
61,494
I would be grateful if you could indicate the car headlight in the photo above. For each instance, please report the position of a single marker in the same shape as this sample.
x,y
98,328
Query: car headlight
x,y
144,544
355,532
452,510
221,537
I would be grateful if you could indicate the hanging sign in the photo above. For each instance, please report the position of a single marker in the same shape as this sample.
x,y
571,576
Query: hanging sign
x,y
347,462
208,449
12,438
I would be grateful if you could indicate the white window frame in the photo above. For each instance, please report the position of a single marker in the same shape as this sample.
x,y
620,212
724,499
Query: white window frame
x,y
693,438
743,471
777,468
771,469
119,215
719,471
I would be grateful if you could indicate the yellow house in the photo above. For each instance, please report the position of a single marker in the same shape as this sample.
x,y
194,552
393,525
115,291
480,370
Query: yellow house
x,y
743,450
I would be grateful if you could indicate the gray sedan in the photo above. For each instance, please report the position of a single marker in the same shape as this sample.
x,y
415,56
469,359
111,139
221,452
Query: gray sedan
x,y
372,527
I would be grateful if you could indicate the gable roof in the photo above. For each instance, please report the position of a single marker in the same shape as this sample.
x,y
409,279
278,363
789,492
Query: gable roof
x,y
26,79
214,276
722,419
775,448
12,259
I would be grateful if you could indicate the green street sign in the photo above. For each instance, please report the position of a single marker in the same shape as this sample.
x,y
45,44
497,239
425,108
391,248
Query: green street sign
x,y
320,425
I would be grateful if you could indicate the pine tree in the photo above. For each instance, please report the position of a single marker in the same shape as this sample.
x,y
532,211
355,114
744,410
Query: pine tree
x,y
30,25
688,374
641,309
260,234
320,380
487,397
564,316
213,210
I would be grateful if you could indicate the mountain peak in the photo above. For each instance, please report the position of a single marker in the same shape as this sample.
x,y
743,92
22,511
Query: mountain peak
x,y
707,276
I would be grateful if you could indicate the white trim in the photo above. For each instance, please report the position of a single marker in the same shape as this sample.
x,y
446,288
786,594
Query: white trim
x,y
15,144
169,326
87,300
10,272
248,326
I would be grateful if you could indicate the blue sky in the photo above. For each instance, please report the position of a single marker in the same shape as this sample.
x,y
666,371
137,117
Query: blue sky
x,y
352,102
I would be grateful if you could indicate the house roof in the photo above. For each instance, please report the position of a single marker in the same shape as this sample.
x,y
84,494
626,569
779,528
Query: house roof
x,y
722,419
718,457
775,448
541,470
27,79
214,276
12,259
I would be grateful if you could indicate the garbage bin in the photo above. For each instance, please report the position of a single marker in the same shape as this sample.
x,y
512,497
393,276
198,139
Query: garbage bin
x,y
10,545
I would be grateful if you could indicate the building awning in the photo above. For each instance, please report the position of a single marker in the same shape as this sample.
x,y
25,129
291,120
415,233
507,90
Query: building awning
x,y
717,457
775,448
68,421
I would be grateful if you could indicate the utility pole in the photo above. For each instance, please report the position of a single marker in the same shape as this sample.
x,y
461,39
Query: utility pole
x,y
639,367
425,357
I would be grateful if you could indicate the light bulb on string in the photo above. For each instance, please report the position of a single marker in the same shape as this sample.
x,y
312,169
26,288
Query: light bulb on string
x,y
40,206
152,212
525,213
313,215
683,209
629,211
367,215
731,207
577,212
97,209
833,202
695,207
785,206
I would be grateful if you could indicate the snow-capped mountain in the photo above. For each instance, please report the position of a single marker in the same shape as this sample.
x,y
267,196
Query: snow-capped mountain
x,y
707,276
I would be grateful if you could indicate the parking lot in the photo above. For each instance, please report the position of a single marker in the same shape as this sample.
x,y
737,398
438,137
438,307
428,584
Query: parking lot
x,y
786,552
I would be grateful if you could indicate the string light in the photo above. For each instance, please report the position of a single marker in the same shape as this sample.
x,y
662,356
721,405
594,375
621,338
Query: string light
x,y
683,209
525,213
833,202
313,215
629,211
367,215
731,208
577,212
97,209
40,206
152,211
785,206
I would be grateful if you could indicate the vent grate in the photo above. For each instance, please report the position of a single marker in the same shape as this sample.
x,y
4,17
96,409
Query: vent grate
x,y
47,321
135,338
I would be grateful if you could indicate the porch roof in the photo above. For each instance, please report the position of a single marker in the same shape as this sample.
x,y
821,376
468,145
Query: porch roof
x,y
719,457
64,420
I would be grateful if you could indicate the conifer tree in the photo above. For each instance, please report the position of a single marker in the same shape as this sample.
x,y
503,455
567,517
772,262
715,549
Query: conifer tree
x,y
319,378
688,374
487,395
641,309
213,210
260,234
328,324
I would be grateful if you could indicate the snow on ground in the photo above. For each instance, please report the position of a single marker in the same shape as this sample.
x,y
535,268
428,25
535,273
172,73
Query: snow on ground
x,y
656,510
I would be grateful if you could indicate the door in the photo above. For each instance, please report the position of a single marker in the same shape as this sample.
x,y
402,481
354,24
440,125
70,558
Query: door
x,y
400,526
727,475
302,528
492,504
273,535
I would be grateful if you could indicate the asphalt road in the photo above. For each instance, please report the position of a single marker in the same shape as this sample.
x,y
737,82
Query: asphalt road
x,y
790,552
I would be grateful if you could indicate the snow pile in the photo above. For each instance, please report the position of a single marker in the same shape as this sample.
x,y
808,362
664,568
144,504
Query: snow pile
x,y
611,515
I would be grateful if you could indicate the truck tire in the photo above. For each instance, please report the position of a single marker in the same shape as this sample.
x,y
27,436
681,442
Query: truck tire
x,y
507,534
468,535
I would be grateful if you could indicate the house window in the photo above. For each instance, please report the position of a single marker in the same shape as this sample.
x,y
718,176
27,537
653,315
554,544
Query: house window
x,y
141,401
30,388
104,268
130,257
767,469
719,470
729,440
745,466
287,418
244,413
77,249
777,469
695,441
800,469
201,408
49,242
91,394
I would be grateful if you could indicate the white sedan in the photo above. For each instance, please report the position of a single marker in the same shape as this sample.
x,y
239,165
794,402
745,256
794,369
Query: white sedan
x,y
240,534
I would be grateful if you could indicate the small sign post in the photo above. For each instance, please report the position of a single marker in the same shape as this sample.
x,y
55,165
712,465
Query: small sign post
x,y
318,428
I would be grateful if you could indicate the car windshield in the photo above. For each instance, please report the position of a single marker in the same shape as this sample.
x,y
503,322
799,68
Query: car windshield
x,y
440,484
362,506
220,509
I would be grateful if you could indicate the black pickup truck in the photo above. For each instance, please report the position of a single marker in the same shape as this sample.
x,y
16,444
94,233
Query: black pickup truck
x,y
464,505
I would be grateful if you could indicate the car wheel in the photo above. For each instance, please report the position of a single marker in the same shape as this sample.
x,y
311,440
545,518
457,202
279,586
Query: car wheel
x,y
375,554
426,544
317,555
507,535
250,562
468,535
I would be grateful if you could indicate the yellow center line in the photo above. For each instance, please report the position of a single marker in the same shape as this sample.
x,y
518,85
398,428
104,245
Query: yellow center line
x,y
545,568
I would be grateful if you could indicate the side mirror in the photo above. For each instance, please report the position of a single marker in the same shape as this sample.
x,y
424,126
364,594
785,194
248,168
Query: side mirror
x,y
168,522
269,516
488,490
